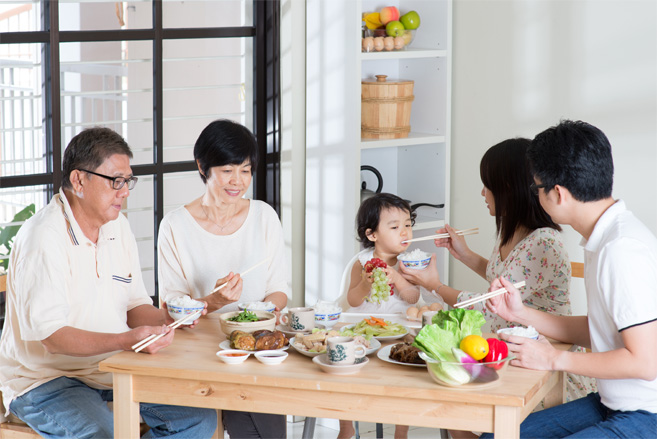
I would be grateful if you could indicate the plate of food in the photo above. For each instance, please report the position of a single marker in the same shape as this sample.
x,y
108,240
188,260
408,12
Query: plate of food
x,y
377,328
403,354
289,332
314,344
263,340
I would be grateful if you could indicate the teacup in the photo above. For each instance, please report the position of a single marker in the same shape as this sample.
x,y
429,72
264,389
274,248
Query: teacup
x,y
343,351
299,319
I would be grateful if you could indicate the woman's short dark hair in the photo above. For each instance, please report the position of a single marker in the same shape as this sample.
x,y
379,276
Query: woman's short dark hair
x,y
369,214
89,149
575,155
505,171
225,142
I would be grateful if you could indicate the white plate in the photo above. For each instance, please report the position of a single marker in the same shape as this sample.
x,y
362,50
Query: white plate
x,y
384,354
374,346
323,363
226,345
289,332
388,337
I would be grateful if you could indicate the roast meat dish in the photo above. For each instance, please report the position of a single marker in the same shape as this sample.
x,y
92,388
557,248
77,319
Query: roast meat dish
x,y
405,353
258,341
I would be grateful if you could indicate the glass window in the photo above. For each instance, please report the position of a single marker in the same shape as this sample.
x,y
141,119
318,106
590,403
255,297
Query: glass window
x,y
204,13
22,143
20,16
109,84
99,15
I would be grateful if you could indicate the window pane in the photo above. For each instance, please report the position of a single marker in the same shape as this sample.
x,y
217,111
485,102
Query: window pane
x,y
20,16
12,201
140,213
181,188
99,15
109,84
22,143
207,13
214,74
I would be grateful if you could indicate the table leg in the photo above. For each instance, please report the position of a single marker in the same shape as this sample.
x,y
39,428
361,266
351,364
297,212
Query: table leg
x,y
556,395
507,422
308,428
126,411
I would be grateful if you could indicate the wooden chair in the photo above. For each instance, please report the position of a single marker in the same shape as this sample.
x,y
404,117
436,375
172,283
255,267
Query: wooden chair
x,y
577,269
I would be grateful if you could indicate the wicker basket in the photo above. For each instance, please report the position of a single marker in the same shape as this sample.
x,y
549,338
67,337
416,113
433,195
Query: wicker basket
x,y
385,110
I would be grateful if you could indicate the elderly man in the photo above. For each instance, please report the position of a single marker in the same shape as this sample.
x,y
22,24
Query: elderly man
x,y
75,296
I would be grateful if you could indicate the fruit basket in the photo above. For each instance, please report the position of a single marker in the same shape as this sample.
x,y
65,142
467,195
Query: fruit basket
x,y
388,30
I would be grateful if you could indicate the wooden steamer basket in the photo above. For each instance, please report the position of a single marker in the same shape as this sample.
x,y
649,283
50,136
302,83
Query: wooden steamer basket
x,y
385,110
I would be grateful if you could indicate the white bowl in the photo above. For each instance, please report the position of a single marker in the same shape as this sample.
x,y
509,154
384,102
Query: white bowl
x,y
233,356
417,265
328,319
271,357
245,306
179,312
268,322
520,331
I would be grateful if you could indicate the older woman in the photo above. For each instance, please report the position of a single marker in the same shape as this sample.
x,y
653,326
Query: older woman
x,y
209,241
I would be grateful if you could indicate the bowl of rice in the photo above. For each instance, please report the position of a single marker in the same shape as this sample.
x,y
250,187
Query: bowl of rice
x,y
416,259
327,313
257,306
182,306
520,331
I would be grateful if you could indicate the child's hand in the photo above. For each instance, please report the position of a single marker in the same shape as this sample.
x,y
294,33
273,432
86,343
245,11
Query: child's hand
x,y
367,276
393,275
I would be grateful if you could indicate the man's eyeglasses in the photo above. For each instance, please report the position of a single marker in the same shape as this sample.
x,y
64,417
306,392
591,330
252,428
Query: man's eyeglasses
x,y
535,187
117,182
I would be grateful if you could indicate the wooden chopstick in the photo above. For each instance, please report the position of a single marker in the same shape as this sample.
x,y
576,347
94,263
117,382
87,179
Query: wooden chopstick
x,y
152,336
241,274
464,232
175,325
486,296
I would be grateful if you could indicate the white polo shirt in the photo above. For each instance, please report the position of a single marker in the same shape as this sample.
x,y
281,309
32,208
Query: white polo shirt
x,y
621,287
57,277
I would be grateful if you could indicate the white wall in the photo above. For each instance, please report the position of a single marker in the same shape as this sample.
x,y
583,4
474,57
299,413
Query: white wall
x,y
520,66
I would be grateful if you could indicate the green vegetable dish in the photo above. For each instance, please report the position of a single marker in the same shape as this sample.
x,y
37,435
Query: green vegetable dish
x,y
245,316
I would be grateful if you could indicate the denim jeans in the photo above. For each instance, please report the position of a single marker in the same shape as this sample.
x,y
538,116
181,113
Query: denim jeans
x,y
587,418
67,408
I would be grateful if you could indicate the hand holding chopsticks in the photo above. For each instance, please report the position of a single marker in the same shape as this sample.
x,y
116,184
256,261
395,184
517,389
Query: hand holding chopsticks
x,y
152,338
445,235
486,296
241,274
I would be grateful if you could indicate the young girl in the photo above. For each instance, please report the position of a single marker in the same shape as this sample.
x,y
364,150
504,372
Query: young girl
x,y
384,221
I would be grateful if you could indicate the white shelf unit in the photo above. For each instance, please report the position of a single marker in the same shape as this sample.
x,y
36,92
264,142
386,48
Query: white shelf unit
x,y
417,168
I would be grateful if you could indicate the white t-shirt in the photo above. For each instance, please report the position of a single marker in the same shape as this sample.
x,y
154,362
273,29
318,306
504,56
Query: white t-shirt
x,y
620,273
57,277
191,259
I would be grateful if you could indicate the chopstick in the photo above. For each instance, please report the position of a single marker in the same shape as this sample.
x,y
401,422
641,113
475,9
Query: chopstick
x,y
464,232
241,274
146,342
486,296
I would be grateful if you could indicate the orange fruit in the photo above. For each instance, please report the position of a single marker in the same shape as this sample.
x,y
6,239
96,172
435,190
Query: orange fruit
x,y
475,346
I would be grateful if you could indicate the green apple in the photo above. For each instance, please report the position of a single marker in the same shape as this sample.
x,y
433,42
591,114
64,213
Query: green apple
x,y
410,20
395,29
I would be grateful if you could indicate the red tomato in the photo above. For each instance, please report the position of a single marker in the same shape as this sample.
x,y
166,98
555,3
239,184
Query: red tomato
x,y
497,350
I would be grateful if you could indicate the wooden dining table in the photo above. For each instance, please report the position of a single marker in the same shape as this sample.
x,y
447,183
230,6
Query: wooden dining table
x,y
188,373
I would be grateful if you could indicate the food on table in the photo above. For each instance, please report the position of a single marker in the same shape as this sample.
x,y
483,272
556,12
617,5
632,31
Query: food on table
x,y
316,341
381,287
374,327
258,341
415,313
242,340
259,306
406,353
411,312
497,350
475,346
415,255
245,316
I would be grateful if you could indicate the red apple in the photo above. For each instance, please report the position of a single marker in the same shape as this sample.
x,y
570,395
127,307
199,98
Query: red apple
x,y
388,14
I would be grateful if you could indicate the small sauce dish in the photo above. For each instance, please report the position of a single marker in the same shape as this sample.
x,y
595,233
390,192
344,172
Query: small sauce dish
x,y
233,356
271,357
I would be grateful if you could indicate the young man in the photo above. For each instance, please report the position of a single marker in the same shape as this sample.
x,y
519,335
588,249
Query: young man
x,y
573,173
75,296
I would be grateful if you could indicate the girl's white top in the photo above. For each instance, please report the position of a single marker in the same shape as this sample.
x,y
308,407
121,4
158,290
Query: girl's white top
x,y
191,259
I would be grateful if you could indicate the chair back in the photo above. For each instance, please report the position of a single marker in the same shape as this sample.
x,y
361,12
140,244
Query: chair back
x,y
577,269
344,283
